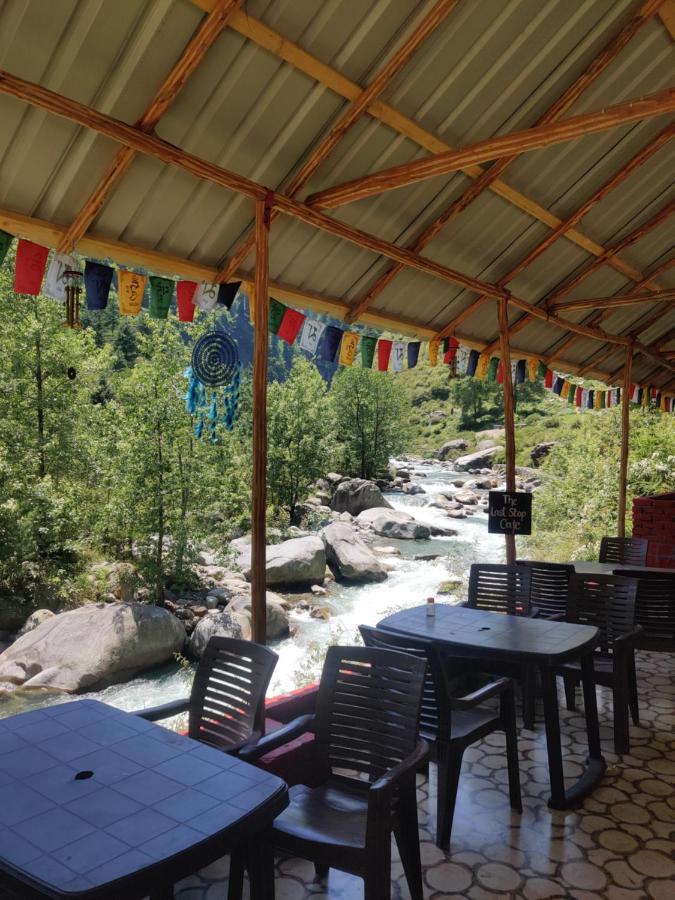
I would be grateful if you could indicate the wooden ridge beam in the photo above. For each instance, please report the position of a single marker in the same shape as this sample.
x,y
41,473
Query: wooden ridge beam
x,y
193,54
153,146
648,107
358,106
489,176
280,47
596,303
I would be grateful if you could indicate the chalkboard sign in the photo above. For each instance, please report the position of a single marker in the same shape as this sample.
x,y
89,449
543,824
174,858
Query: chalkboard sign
x,y
510,513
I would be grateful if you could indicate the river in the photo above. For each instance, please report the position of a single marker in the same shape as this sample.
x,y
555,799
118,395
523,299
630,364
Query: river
x,y
409,583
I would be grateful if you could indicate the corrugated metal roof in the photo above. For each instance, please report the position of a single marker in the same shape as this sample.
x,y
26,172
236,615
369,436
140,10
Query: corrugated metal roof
x,y
491,67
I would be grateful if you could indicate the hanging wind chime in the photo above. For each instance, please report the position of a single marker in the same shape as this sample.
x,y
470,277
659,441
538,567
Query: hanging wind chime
x,y
72,280
214,379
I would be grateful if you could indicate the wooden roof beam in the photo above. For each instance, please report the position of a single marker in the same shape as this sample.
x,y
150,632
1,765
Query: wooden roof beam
x,y
596,303
193,54
358,106
490,175
648,107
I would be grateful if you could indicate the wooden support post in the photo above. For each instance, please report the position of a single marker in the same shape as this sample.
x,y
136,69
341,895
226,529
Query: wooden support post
x,y
625,432
508,417
263,211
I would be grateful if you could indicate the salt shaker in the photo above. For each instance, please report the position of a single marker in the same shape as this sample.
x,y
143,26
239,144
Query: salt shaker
x,y
431,609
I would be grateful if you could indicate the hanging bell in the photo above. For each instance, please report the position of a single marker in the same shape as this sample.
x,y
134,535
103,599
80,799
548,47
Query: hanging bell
x,y
73,288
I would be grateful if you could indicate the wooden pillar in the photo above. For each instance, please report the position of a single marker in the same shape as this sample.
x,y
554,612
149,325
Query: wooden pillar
x,y
625,432
263,211
508,415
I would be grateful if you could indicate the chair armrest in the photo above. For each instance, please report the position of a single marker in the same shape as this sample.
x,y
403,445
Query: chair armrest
x,y
482,693
629,636
165,711
252,752
556,617
388,782
534,613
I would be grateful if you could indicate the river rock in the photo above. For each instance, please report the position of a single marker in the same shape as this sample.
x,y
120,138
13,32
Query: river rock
x,y
349,557
450,447
466,497
277,621
442,531
394,523
541,451
412,488
297,562
476,460
356,494
218,622
92,646
35,619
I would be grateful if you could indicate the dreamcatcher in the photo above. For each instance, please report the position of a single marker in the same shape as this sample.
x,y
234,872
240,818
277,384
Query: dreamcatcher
x,y
214,379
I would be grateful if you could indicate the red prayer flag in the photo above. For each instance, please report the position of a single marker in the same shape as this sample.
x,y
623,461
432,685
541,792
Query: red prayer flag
x,y
548,381
500,372
577,399
185,291
383,354
29,268
451,350
290,325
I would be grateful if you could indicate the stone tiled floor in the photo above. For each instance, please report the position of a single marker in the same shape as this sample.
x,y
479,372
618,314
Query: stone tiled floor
x,y
619,845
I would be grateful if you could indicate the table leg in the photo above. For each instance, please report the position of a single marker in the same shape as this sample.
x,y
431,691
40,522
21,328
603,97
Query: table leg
x,y
552,722
261,867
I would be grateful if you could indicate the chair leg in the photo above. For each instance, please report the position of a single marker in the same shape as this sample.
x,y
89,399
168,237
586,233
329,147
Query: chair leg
x,y
570,692
620,692
408,841
449,765
321,871
632,692
377,877
508,716
235,886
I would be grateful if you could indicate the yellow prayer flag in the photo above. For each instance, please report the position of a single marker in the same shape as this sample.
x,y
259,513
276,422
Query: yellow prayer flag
x,y
130,290
350,341
482,365
532,365
662,404
565,392
645,396
433,352
596,400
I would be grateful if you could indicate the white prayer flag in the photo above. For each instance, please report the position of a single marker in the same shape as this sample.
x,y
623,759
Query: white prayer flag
x,y
311,335
584,398
397,355
54,285
206,296
462,360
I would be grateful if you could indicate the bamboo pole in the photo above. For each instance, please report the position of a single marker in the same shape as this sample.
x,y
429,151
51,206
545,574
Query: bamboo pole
x,y
509,428
517,142
625,430
263,211
193,54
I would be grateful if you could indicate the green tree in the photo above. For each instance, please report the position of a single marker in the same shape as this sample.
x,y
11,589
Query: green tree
x,y
475,399
370,416
300,435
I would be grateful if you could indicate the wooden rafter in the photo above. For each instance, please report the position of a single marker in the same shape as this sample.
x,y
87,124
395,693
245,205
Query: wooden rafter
x,y
612,302
648,107
348,118
554,112
280,47
193,54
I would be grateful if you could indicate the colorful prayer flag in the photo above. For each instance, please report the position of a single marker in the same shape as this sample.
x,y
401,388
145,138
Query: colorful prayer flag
x,y
311,335
492,369
565,391
130,289
520,371
577,398
5,243
548,379
161,295
472,364
331,342
571,393
482,365
276,314
290,325
557,385
185,291
54,284
532,366
383,354
398,355
413,353
541,369
433,352
227,293
206,296
97,281
348,348
29,268
591,399
368,345
450,348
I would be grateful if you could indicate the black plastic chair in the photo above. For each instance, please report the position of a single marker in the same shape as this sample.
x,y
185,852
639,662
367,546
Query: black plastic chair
x,y
367,753
452,720
654,609
549,587
608,603
227,703
624,551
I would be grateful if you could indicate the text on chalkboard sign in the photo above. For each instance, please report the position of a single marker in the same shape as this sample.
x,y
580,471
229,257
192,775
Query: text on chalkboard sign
x,y
510,513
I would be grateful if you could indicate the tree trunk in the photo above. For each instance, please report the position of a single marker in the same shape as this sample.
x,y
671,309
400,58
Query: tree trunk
x,y
42,465
159,560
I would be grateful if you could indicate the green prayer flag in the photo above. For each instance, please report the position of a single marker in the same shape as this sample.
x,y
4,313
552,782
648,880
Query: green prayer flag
x,y
161,294
492,369
277,311
5,243
572,394
603,395
368,345
541,370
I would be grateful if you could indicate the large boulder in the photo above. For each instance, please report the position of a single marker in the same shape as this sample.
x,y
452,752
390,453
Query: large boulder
x,y
349,557
452,447
95,645
35,619
218,623
476,460
356,494
394,523
541,451
293,563
277,623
